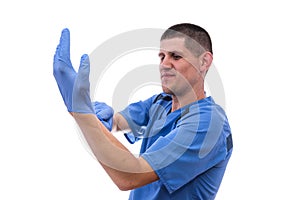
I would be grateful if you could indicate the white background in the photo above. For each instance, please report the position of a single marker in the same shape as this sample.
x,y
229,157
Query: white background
x,y
256,45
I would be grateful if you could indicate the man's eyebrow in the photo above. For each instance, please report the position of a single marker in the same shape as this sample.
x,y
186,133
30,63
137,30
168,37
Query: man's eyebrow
x,y
171,53
176,52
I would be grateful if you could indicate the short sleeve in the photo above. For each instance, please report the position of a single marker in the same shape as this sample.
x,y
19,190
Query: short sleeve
x,y
190,149
137,116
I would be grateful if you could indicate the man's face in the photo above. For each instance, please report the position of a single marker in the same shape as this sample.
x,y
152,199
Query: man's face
x,y
179,68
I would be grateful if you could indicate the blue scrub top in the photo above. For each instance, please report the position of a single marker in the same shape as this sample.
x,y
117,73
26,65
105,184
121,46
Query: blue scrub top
x,y
188,148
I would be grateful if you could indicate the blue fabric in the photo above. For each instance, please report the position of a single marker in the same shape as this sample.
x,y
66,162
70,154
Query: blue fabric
x,y
187,148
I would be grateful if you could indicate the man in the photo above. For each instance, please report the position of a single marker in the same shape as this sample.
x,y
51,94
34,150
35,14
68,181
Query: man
x,y
186,136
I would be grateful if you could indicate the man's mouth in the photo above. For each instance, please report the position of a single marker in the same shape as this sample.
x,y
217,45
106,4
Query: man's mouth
x,y
167,75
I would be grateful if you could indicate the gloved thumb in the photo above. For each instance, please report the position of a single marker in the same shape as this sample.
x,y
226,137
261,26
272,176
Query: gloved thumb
x,y
84,68
81,91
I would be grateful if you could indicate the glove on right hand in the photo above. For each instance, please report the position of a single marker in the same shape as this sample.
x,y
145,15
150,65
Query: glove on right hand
x,y
74,87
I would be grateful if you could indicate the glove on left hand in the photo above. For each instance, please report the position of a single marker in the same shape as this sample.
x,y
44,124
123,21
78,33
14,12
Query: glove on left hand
x,y
104,113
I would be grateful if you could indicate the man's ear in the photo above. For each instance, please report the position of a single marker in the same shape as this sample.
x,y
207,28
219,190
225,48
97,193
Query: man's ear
x,y
205,61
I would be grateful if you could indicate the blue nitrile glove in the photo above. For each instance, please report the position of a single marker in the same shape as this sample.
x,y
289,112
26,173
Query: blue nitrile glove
x,y
104,113
74,87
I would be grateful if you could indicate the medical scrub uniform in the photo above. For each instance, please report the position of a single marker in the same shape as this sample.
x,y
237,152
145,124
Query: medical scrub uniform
x,y
188,148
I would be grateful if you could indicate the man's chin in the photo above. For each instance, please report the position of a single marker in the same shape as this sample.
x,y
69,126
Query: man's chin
x,y
167,90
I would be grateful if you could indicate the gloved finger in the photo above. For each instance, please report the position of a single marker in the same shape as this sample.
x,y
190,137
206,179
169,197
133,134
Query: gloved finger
x,y
100,106
64,44
110,122
62,53
103,110
106,113
106,124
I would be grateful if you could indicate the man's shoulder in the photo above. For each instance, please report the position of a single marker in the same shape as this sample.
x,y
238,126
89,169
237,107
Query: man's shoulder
x,y
203,110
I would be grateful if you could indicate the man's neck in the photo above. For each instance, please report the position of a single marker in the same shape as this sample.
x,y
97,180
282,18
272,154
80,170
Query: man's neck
x,y
181,101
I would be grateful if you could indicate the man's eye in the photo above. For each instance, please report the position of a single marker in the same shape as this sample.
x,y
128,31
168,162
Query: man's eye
x,y
161,58
176,57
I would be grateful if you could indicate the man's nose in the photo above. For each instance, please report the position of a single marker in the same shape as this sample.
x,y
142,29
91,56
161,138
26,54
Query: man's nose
x,y
166,63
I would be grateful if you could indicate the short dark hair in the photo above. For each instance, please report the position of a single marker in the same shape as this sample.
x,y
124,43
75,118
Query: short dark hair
x,y
197,39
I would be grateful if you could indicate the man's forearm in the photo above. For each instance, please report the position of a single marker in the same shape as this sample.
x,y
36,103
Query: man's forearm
x,y
121,165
